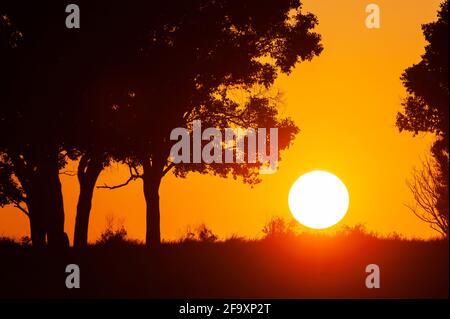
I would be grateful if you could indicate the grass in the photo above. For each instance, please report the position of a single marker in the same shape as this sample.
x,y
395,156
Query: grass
x,y
283,264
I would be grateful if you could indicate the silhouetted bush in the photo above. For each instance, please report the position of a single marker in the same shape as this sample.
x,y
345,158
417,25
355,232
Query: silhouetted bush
x,y
237,239
356,231
200,234
115,235
112,237
25,241
6,242
278,226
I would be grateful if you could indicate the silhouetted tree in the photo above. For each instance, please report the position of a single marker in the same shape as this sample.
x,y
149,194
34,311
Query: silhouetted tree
x,y
196,54
11,193
426,108
426,185
115,90
54,103
35,102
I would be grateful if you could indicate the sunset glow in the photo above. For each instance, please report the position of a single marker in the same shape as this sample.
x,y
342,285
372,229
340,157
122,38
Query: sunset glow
x,y
224,150
344,102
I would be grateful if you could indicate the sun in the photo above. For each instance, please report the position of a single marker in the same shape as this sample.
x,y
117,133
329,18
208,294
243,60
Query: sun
x,y
318,199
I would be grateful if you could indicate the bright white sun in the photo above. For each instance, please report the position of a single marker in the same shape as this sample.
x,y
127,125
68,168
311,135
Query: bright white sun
x,y
318,199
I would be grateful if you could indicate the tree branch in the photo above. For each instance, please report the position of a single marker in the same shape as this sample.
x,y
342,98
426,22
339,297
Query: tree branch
x,y
132,178
168,168
22,209
134,174
68,173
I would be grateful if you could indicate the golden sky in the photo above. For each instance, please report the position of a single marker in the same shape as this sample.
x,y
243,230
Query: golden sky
x,y
345,103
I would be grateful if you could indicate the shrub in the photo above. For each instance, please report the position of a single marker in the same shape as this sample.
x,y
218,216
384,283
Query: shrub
x,y
112,235
25,241
6,242
201,234
278,226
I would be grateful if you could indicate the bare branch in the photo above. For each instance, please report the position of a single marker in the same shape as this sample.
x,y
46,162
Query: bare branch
x,y
68,173
132,178
168,168
134,174
425,186
22,209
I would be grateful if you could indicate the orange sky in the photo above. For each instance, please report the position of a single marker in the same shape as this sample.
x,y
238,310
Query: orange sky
x,y
345,103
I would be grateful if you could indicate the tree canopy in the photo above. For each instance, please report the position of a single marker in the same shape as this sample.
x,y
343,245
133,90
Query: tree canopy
x,y
426,109
118,85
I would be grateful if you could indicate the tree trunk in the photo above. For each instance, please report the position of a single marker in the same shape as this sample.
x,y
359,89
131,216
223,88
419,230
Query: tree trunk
x,y
37,227
152,180
34,200
53,204
39,177
37,231
89,169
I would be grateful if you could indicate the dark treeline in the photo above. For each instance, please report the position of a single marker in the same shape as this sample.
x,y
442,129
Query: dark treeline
x,y
426,109
113,90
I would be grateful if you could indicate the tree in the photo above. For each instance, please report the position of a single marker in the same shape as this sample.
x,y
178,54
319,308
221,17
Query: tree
x,y
426,109
11,193
31,118
116,87
199,53
54,104
426,185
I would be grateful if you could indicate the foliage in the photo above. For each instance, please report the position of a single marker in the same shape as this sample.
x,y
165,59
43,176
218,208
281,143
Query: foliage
x,y
115,88
112,235
426,109
11,192
278,226
6,242
425,185
201,233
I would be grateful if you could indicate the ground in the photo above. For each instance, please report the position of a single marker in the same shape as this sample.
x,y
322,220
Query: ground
x,y
285,266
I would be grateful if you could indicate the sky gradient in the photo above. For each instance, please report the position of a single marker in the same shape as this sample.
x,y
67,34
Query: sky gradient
x,y
345,102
